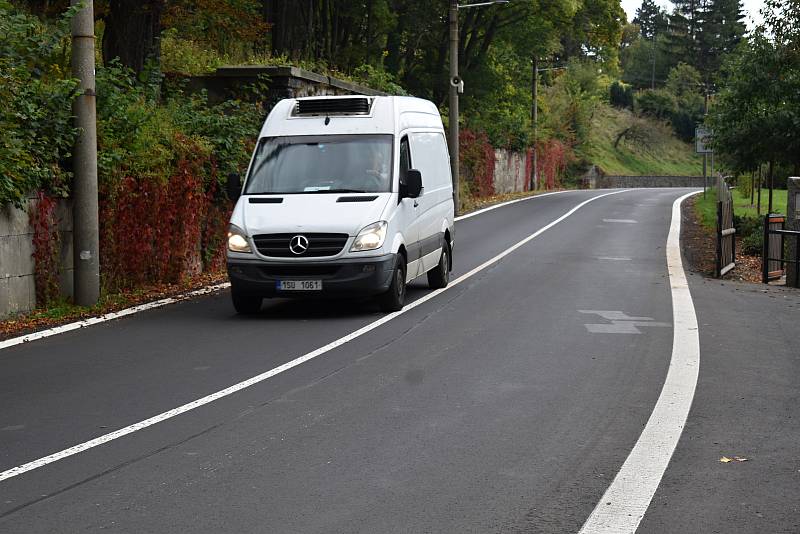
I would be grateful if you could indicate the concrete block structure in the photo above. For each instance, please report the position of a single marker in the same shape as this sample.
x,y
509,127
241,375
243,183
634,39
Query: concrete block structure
x,y
17,280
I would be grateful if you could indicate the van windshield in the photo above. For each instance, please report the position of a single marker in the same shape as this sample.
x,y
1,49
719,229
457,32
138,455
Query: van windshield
x,y
322,164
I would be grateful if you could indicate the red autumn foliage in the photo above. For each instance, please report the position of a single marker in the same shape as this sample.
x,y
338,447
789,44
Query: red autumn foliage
x,y
477,162
46,248
553,158
162,231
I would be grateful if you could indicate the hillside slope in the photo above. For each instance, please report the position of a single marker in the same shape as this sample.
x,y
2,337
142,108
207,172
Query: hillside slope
x,y
649,149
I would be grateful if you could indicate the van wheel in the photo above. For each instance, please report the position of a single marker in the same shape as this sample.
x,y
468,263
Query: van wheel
x,y
439,276
245,304
394,299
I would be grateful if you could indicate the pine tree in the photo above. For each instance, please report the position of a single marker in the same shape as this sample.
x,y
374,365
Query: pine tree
x,y
651,18
723,29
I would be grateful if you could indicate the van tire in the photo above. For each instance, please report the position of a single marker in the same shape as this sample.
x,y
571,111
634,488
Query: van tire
x,y
245,304
394,299
439,276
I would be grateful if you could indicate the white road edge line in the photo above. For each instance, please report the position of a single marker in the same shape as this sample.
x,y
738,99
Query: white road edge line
x,y
196,293
509,202
109,316
626,500
41,462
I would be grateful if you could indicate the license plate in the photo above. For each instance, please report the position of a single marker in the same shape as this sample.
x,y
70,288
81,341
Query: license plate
x,y
299,285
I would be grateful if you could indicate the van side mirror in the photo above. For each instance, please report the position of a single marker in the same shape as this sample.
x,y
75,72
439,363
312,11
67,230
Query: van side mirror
x,y
413,183
234,187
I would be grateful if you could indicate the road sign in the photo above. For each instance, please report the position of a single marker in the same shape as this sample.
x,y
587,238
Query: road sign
x,y
702,136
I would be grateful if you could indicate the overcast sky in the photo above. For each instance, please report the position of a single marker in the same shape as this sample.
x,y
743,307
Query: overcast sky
x,y
751,7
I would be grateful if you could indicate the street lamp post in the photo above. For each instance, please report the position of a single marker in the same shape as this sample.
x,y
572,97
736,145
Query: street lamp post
x,y
457,86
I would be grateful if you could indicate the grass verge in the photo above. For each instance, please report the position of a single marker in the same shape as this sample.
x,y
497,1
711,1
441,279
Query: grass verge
x,y
651,150
742,207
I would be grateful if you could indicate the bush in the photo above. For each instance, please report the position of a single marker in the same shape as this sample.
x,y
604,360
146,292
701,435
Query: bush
x,y
683,124
621,95
751,232
36,96
744,185
378,79
657,103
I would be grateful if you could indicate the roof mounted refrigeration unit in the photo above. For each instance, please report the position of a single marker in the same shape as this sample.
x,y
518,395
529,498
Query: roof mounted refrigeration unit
x,y
316,107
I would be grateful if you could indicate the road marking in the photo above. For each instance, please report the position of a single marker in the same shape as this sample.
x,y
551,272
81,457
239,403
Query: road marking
x,y
621,221
612,258
109,316
626,500
621,323
507,203
41,462
199,292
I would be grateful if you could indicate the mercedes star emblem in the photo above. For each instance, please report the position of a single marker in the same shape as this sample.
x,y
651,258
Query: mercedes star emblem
x,y
298,244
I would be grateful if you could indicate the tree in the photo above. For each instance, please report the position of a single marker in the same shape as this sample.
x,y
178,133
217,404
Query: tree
x,y
756,114
722,29
651,19
132,32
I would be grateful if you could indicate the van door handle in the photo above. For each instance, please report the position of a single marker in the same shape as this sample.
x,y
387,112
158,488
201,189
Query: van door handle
x,y
416,204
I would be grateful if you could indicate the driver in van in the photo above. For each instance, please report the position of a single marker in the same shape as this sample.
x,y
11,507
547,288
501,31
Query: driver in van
x,y
377,174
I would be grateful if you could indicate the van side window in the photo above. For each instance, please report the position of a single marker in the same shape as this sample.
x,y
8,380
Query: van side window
x,y
405,160
431,159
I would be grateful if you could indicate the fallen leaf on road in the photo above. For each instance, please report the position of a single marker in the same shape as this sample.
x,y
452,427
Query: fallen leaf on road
x,y
726,460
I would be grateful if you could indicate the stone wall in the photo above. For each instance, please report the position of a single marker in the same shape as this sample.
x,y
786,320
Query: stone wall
x,y
510,171
600,181
17,286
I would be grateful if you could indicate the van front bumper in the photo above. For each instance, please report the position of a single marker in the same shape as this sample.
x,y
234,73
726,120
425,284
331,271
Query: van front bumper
x,y
351,277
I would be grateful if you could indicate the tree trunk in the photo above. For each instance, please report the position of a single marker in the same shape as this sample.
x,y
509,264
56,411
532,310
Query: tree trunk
x,y
133,28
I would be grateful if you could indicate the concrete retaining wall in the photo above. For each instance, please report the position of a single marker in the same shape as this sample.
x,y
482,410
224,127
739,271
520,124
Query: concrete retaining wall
x,y
597,181
17,286
510,174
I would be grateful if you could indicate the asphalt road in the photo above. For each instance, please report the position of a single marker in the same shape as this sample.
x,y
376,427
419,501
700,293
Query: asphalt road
x,y
500,405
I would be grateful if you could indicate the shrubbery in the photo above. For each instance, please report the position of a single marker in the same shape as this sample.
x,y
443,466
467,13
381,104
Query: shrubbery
x,y
36,96
680,102
163,161
162,157
621,95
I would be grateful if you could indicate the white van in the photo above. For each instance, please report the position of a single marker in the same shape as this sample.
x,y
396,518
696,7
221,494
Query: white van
x,y
345,196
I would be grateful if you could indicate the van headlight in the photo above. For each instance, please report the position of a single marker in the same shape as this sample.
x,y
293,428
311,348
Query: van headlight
x,y
371,237
237,240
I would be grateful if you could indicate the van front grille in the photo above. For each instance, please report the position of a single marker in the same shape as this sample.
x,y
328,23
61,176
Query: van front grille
x,y
319,245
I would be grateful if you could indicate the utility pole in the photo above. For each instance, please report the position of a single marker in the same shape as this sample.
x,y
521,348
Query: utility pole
x,y
85,228
453,112
535,122
457,86
653,55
